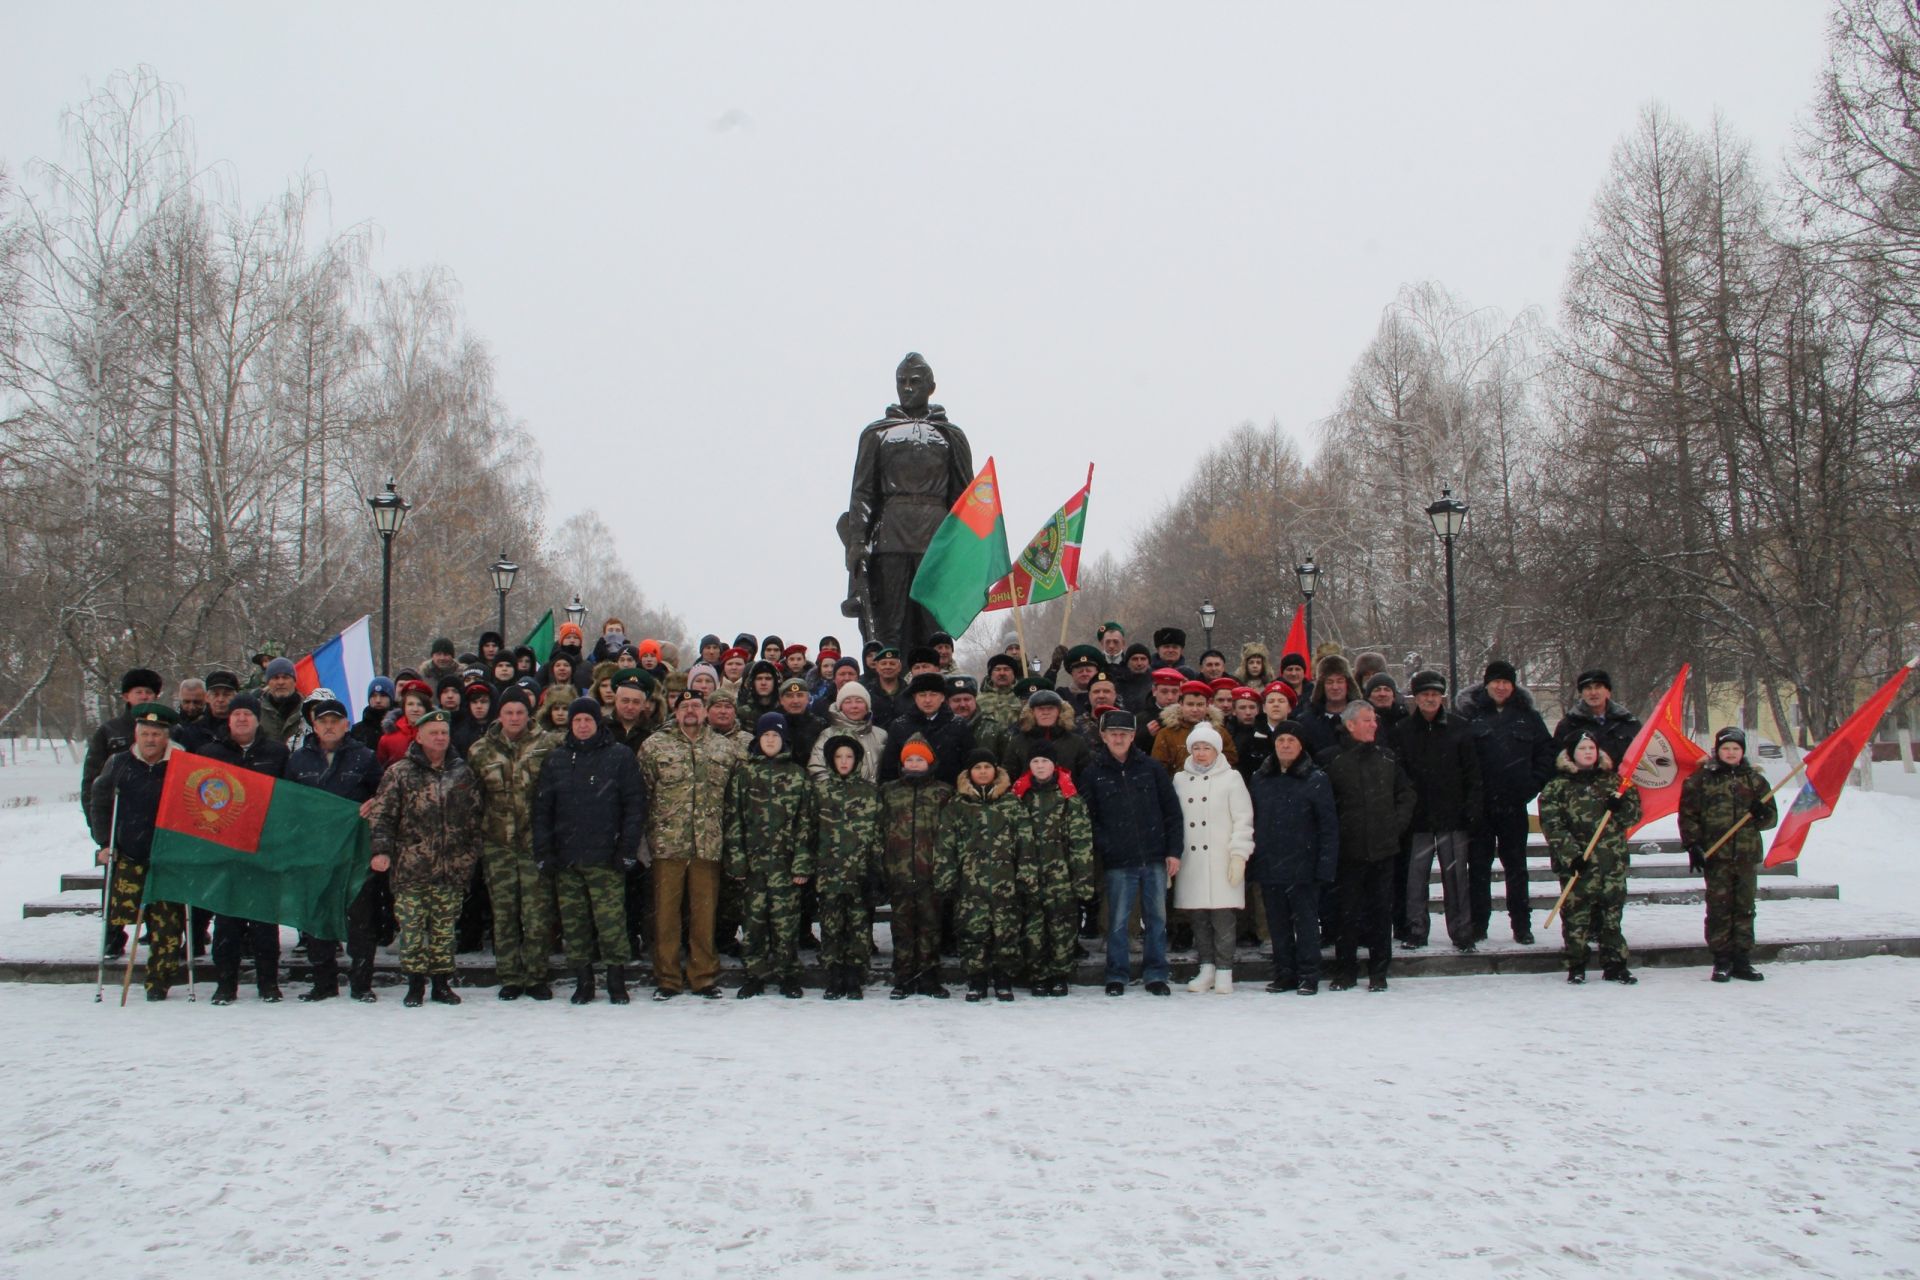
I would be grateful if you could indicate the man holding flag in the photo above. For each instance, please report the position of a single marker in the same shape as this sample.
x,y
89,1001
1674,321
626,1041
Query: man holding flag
x,y
121,809
1726,793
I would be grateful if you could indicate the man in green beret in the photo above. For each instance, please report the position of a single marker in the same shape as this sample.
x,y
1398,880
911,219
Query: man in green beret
x,y
122,809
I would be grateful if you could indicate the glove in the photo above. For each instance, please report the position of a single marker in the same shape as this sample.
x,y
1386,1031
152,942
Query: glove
x,y
1696,857
1236,870
1758,809
1615,800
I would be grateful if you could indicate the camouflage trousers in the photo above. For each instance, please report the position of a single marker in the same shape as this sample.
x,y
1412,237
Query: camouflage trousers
x,y
846,929
1051,934
427,914
523,914
1592,912
772,945
990,935
1731,880
593,915
915,928
166,923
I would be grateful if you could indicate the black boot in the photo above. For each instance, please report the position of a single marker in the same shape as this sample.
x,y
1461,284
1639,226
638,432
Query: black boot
x,y
541,991
617,985
360,981
855,982
116,944
750,988
226,986
930,984
1576,974
976,988
1002,988
1619,973
901,990
508,991
790,988
1743,968
836,983
269,993
1722,967
582,986
416,991
443,992
324,988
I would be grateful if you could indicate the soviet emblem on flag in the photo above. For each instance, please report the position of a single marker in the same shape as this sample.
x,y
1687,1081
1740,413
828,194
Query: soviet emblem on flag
x,y
216,799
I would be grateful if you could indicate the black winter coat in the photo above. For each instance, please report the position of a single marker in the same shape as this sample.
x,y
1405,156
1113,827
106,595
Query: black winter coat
x,y
1614,731
1135,812
1516,751
135,787
262,755
590,809
113,736
1321,729
1296,832
353,773
951,739
1439,758
1373,798
371,729
194,735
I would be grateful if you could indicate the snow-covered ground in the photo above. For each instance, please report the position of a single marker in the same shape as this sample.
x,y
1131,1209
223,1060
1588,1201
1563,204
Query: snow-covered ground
x,y
1453,1126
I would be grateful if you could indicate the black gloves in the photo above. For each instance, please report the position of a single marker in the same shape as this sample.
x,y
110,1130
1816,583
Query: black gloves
x,y
1615,800
1696,857
1758,809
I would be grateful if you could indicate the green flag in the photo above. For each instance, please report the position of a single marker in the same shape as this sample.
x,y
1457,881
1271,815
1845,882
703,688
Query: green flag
x,y
967,556
540,639
244,844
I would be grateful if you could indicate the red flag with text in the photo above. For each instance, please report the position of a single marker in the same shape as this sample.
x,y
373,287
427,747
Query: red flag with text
x,y
1827,766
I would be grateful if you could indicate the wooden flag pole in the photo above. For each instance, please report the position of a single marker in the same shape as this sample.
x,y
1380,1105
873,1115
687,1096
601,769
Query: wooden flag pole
x,y
1066,617
133,949
1020,629
1747,817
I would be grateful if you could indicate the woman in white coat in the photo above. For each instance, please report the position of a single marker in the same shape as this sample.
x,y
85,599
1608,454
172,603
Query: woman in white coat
x,y
1211,881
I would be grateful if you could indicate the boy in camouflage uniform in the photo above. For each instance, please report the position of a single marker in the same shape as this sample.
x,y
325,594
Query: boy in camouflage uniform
x,y
985,859
1725,790
769,849
123,804
846,865
911,808
1063,876
507,763
1585,790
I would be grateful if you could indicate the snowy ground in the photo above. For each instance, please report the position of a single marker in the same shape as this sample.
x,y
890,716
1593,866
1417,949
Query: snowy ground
x,y
1461,1126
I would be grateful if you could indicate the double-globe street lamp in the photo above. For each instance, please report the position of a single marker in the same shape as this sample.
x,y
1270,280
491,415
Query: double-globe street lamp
x,y
389,513
1449,516
503,571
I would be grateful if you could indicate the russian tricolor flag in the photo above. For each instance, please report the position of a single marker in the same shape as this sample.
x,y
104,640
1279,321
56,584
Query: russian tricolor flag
x,y
343,664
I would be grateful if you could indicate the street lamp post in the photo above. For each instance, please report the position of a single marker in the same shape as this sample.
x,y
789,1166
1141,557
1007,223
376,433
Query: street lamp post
x,y
389,513
1309,574
1207,619
503,571
576,612
1449,517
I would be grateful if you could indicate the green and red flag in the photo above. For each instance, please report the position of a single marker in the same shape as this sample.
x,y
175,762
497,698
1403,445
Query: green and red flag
x,y
1827,766
1050,566
540,639
240,843
967,556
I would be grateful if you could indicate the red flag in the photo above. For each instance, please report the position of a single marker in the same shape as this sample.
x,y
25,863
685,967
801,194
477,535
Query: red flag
x,y
1827,766
1665,712
1297,639
1670,757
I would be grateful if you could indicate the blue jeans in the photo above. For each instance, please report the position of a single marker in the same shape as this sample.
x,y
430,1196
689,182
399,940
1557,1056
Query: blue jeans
x,y
1149,885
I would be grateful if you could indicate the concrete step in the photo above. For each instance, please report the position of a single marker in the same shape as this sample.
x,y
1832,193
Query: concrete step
x,y
1649,867
1251,968
88,881
1543,894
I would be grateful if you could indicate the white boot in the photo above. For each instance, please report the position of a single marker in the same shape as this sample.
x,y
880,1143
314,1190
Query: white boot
x,y
1202,981
1223,982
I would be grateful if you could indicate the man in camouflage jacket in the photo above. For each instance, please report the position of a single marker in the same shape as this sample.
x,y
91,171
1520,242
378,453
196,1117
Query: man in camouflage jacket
x,y
686,769
426,822
984,857
507,762
769,850
911,809
1725,790
846,863
1584,790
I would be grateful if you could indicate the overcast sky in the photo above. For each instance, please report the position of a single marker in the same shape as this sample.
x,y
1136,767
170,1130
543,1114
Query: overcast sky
x,y
1116,231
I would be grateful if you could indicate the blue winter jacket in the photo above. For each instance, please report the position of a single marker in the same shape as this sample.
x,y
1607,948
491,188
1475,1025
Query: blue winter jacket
x,y
1296,835
1136,815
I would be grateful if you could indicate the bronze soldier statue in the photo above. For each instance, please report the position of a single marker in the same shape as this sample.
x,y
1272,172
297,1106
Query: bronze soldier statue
x,y
911,468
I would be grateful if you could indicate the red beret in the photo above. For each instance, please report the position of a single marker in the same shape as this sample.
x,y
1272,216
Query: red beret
x,y
1241,691
792,649
1224,682
1167,675
736,652
1281,687
1200,687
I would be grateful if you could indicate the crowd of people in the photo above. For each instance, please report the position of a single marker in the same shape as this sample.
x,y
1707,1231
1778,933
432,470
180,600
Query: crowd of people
x,y
758,799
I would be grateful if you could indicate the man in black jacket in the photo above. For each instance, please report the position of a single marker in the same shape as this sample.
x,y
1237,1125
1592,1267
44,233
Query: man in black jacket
x,y
1137,840
340,764
245,747
589,813
1438,754
1374,801
122,809
950,738
1516,760
1612,725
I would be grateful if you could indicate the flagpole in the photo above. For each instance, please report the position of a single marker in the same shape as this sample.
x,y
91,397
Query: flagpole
x,y
106,899
1747,817
1066,617
1020,629
133,949
1561,901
